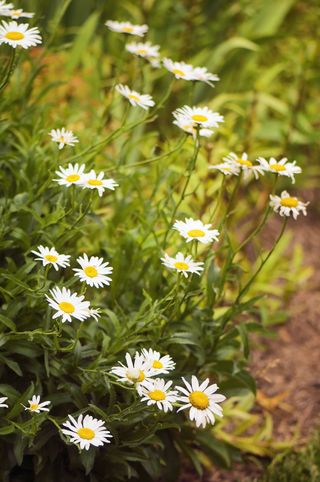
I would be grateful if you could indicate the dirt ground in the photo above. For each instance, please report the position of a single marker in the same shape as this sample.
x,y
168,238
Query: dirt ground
x,y
287,367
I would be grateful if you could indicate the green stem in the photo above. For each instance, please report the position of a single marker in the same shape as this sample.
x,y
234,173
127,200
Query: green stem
x,y
9,69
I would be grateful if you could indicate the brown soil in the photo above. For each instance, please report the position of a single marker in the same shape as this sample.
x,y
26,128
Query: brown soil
x,y
286,367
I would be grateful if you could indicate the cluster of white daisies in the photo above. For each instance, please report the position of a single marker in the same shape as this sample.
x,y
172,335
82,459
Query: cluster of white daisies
x,y
142,372
15,34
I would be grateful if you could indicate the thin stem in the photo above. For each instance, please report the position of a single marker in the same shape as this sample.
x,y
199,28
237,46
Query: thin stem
x,y
9,69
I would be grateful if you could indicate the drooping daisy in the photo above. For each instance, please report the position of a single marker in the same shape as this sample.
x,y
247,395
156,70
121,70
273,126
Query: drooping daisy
x,y
180,70
202,401
182,264
19,35
94,313
145,50
282,167
86,431
93,271
244,164
2,404
199,116
17,13
51,256
227,168
5,7
159,364
184,124
287,205
68,305
63,137
192,229
142,100
202,74
36,406
73,174
127,27
157,392
92,180
135,372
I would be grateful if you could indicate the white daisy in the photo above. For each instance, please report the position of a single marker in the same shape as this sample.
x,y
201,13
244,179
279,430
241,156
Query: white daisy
x,y
86,431
51,256
17,13
244,164
184,123
282,167
145,50
94,181
202,74
94,313
157,392
160,364
93,271
63,137
5,7
73,174
68,305
202,401
192,230
142,100
227,168
36,406
2,404
19,35
127,27
182,264
135,372
287,205
199,116
180,70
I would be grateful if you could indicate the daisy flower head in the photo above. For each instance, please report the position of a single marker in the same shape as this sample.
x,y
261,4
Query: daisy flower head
x,y
182,264
180,70
287,205
282,167
127,27
93,271
19,35
195,230
5,7
184,124
92,180
2,404
159,364
63,137
242,162
202,401
142,100
145,50
136,371
227,168
68,305
17,13
86,431
51,256
94,313
157,392
36,406
201,74
73,174
199,116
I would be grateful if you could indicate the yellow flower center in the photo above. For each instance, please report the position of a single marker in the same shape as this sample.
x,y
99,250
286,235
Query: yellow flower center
x,y
157,364
199,400
66,307
73,178
14,35
157,395
61,139
86,433
127,29
51,258
135,375
142,51
196,233
277,167
34,406
181,265
289,202
90,271
95,182
199,118
178,72
244,162
134,97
